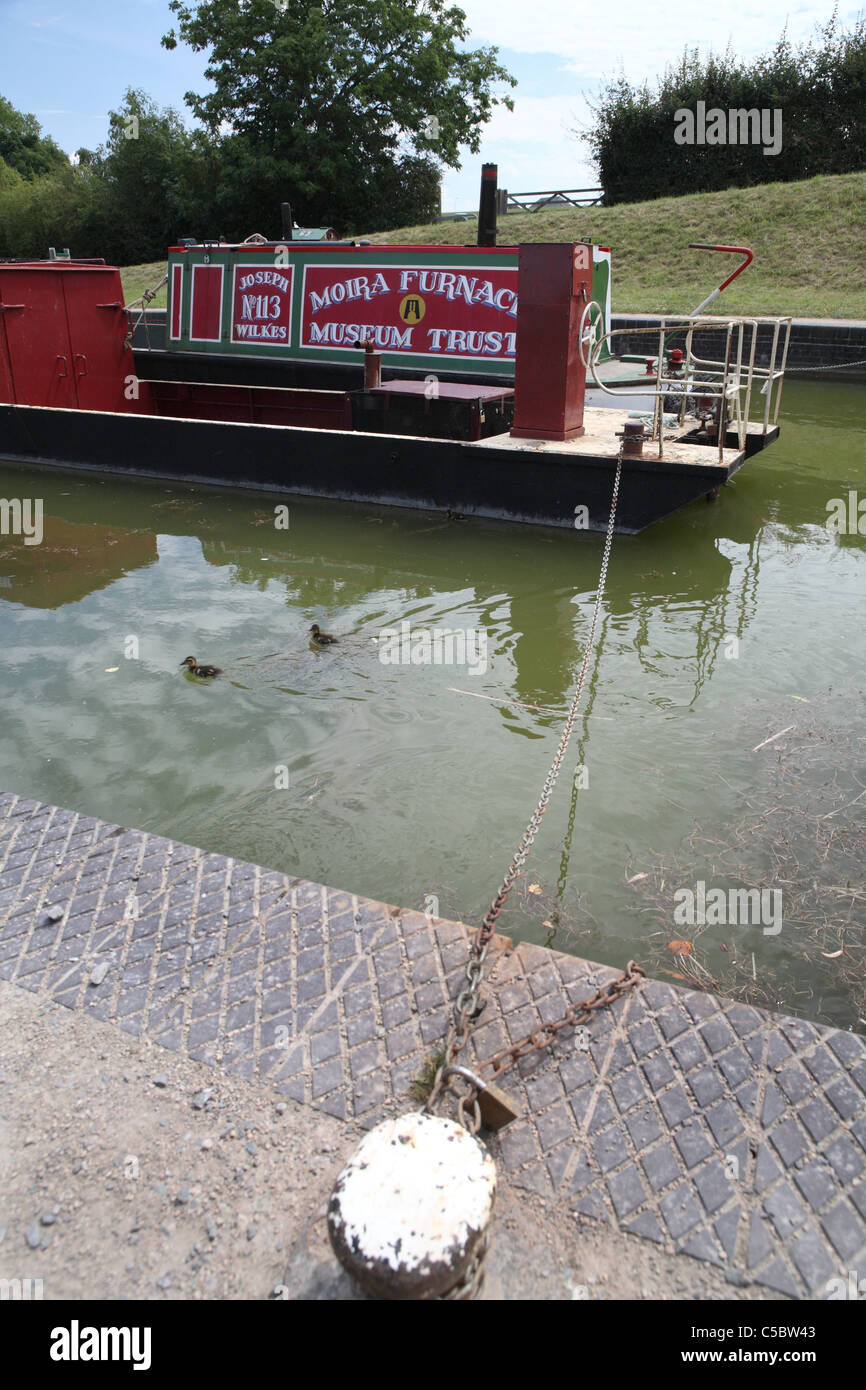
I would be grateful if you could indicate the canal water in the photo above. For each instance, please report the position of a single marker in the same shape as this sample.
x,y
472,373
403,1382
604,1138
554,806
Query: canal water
x,y
412,782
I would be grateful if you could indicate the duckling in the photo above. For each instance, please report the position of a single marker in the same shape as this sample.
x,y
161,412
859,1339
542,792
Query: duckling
x,y
197,670
321,639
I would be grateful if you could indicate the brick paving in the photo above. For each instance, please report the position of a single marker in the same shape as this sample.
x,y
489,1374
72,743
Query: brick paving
x,y
700,1124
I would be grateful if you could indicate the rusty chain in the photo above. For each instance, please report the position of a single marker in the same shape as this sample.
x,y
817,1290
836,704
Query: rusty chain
x,y
472,1280
575,1016
467,1006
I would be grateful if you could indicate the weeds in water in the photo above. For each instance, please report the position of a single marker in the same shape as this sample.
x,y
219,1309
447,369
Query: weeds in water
x,y
802,831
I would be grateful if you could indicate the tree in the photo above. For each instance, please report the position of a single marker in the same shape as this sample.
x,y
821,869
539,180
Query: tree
x,y
23,146
819,88
321,99
150,171
151,182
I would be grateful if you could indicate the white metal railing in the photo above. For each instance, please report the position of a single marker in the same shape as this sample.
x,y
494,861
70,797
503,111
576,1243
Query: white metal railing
x,y
730,381
553,197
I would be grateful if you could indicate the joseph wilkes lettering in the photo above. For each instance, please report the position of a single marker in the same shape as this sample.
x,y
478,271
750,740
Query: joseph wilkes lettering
x,y
262,305
77,1343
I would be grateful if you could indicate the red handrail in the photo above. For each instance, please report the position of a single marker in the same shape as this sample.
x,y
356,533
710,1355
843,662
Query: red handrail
x,y
736,250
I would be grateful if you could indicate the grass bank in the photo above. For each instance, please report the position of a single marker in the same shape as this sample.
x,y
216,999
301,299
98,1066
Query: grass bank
x,y
809,241
138,278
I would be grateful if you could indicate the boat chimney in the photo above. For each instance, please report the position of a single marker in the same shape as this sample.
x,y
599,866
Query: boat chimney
x,y
487,205
372,367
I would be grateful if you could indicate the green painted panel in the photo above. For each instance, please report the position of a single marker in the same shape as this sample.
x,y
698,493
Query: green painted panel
x,y
433,308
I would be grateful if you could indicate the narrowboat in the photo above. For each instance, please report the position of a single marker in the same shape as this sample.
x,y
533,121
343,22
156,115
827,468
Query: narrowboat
x,y
477,380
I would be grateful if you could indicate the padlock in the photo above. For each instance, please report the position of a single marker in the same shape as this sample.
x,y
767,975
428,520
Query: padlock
x,y
497,1108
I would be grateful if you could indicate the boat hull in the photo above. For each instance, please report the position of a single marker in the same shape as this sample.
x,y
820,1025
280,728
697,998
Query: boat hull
x,y
497,478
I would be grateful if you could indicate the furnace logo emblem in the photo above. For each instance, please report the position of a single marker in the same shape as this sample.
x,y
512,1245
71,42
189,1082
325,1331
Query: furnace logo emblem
x,y
412,308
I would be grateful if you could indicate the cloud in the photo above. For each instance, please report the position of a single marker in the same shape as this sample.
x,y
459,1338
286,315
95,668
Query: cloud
x,y
533,148
634,33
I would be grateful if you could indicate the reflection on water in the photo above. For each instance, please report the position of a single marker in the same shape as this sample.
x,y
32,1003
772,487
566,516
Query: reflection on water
x,y
717,623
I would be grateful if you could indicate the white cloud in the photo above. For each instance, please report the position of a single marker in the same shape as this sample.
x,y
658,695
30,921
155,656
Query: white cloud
x,y
531,145
596,40
533,148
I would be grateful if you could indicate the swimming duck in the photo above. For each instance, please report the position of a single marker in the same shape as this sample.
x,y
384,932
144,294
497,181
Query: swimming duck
x,y
197,670
321,639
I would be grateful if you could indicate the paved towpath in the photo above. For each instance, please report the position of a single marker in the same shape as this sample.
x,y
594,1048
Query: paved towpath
x,y
702,1126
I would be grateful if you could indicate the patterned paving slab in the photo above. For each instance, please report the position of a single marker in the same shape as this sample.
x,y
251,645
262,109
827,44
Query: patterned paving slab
x,y
709,1127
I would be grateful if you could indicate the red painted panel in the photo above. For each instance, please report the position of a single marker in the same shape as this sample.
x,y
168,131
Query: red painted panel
x,y
262,304
63,331
37,336
206,311
176,300
555,282
7,393
459,313
103,366
195,400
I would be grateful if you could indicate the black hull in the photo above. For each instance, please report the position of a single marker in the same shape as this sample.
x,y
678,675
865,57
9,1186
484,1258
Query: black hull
x,y
507,484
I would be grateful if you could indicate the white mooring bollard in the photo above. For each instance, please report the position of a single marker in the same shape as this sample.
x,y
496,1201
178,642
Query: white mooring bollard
x,y
412,1206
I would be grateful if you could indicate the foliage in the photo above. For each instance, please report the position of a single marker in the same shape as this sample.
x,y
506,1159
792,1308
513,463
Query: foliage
x,y
809,240
819,88
347,109
23,147
340,107
125,201
152,175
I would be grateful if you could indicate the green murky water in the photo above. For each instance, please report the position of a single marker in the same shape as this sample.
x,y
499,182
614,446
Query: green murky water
x,y
412,782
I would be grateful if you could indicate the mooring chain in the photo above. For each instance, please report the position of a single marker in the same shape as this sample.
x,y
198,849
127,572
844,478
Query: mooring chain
x,y
470,1285
575,1016
826,366
467,1005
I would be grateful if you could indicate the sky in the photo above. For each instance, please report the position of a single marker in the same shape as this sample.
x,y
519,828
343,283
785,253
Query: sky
x,y
69,62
